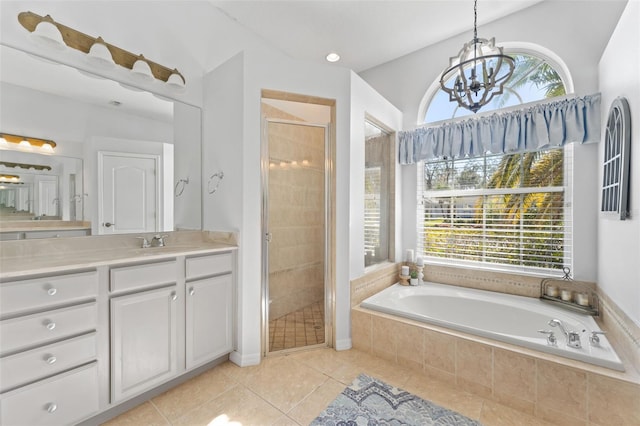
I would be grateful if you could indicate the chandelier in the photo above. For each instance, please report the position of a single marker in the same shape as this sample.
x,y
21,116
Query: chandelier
x,y
480,70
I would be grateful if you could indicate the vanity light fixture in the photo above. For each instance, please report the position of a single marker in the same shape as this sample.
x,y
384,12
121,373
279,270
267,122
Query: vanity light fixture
x,y
142,68
25,166
44,145
478,72
9,178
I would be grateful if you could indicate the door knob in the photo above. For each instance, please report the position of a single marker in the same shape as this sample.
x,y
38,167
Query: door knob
x,y
108,225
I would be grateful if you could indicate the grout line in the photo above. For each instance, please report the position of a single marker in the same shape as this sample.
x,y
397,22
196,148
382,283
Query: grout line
x,y
159,411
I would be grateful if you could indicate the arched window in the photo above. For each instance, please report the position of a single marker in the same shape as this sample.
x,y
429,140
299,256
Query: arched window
x,y
538,75
498,210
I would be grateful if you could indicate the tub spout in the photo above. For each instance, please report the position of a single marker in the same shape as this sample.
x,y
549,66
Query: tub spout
x,y
573,338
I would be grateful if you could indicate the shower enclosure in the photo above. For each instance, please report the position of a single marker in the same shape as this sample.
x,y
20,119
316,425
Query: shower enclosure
x,y
295,218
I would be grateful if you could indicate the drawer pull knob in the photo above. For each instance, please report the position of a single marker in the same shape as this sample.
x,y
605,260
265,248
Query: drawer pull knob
x,y
174,296
51,407
192,291
50,325
52,291
51,359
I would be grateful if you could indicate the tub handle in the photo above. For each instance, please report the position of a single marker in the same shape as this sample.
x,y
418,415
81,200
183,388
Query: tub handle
x,y
594,339
551,338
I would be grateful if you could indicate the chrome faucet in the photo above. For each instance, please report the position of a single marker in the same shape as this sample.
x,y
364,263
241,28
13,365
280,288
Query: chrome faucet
x,y
573,338
159,240
594,339
145,242
551,338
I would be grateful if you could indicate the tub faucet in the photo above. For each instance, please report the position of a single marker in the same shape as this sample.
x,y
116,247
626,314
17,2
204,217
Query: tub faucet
x,y
573,338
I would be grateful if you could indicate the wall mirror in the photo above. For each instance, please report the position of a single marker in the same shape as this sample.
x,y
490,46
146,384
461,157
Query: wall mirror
x,y
46,187
87,116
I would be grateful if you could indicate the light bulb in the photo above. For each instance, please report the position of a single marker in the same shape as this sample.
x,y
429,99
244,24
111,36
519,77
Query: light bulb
x,y
141,70
47,34
100,55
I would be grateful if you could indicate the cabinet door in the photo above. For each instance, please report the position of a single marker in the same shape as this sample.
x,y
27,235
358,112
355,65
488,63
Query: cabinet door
x,y
209,322
144,346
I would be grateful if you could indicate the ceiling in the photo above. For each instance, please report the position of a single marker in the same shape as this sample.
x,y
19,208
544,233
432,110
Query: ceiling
x,y
196,36
365,33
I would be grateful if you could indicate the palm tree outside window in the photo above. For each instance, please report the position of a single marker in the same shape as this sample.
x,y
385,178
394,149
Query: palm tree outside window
x,y
503,210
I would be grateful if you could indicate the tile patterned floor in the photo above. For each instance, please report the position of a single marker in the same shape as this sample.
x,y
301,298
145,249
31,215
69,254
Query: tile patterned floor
x,y
294,389
297,329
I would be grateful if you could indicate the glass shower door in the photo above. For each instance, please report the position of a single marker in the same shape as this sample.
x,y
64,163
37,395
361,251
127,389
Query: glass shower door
x,y
295,209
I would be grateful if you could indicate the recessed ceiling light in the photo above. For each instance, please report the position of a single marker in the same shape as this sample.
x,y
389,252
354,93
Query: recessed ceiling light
x,y
333,57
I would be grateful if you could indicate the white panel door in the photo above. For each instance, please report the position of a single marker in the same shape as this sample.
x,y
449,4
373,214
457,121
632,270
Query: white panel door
x,y
48,200
128,193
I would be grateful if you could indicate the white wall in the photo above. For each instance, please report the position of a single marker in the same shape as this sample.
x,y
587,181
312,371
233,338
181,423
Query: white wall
x,y
619,241
366,101
235,147
267,70
405,81
222,147
577,31
187,139
31,112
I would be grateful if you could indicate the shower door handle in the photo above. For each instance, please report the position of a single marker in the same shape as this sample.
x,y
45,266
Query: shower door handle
x,y
268,236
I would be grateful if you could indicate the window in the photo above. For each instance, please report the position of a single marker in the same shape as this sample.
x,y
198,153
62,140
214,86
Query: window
x,y
534,78
507,211
497,209
377,194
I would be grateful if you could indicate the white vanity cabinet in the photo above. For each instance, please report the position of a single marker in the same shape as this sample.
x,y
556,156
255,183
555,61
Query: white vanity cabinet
x,y
48,349
209,308
143,327
78,341
167,318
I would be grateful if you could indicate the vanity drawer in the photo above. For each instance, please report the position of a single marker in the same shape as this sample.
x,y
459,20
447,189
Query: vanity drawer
x,y
203,266
17,296
141,276
33,330
29,366
65,399
60,233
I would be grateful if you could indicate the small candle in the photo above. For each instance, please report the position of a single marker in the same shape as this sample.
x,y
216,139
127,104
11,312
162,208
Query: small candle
x,y
409,256
552,291
566,295
419,261
582,299
405,271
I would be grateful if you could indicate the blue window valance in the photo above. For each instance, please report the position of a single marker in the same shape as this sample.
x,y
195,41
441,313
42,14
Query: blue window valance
x,y
543,125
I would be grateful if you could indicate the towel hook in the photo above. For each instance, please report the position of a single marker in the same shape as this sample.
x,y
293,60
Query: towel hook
x,y
184,183
220,176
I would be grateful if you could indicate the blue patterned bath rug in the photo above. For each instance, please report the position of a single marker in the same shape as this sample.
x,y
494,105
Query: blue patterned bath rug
x,y
369,401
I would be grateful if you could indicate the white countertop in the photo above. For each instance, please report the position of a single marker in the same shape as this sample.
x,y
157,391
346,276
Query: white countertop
x,y
30,257
42,225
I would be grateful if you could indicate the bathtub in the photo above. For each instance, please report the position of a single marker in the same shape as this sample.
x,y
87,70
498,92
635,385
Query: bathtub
x,y
507,318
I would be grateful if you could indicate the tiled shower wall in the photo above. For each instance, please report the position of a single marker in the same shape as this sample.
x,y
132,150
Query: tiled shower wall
x,y
296,217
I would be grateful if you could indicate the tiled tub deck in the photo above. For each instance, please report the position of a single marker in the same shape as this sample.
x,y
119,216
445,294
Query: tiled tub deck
x,y
555,389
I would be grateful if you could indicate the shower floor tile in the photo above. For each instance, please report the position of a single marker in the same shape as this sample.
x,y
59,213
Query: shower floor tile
x,y
303,327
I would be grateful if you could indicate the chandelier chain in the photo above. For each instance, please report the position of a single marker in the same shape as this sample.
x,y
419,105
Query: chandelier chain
x,y
475,20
